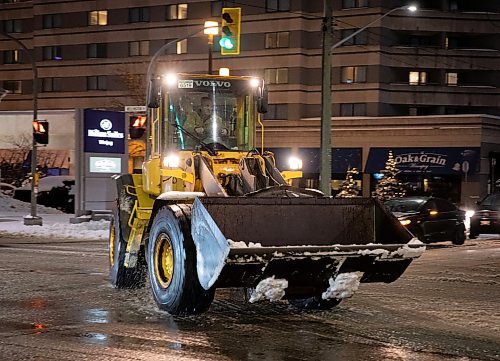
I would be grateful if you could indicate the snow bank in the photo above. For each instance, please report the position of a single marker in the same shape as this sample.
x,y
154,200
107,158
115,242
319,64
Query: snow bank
x,y
343,286
97,230
269,288
8,204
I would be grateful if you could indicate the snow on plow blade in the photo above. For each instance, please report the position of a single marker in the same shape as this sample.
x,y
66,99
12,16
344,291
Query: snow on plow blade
x,y
304,240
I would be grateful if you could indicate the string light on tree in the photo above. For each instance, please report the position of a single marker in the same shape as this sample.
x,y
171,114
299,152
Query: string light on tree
x,y
349,187
389,186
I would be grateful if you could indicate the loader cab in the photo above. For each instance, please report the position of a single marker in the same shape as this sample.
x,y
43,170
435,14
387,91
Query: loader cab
x,y
196,113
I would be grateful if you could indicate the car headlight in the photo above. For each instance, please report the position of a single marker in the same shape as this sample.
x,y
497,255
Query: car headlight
x,y
405,222
295,163
171,161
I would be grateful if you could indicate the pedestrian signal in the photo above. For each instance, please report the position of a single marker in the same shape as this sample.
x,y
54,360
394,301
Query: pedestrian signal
x,y
137,126
41,131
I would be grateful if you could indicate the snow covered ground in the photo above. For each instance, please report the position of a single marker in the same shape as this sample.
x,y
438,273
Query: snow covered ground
x,y
55,223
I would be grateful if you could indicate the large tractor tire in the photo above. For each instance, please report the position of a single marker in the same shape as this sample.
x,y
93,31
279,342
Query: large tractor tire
x,y
120,276
171,256
314,303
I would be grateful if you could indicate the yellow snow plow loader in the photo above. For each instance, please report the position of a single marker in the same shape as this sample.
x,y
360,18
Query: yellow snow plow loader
x,y
211,211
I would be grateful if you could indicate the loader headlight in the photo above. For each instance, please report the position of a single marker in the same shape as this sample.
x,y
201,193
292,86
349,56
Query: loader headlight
x,y
405,222
469,213
254,82
295,163
170,79
171,161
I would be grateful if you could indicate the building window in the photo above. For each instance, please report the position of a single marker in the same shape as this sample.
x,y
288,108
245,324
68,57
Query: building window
x,y
277,5
13,26
136,15
349,4
353,74
98,17
451,78
96,82
52,53
277,40
276,76
13,86
182,46
52,21
277,111
360,39
450,43
138,48
418,78
97,50
177,12
352,109
11,56
51,84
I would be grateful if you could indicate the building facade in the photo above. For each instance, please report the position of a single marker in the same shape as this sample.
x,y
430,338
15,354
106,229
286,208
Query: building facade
x,y
441,61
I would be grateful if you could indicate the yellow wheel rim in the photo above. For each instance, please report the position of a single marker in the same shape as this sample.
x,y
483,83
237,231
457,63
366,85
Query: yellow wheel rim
x,y
163,260
112,240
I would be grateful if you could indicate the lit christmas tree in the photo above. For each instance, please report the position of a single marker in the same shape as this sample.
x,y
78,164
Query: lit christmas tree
x,y
389,187
349,187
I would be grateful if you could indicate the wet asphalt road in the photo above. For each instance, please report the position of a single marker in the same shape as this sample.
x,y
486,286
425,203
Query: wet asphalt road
x,y
56,304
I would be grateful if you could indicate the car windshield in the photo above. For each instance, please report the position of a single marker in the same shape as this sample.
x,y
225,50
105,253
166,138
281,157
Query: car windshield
x,y
404,205
493,200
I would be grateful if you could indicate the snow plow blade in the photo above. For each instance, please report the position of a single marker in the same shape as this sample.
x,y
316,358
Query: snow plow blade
x,y
306,241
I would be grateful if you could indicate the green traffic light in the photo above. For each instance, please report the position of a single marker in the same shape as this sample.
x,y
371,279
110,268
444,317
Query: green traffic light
x,y
226,43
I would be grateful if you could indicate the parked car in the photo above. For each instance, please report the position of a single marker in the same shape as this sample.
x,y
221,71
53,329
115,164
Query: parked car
x,y
53,191
430,219
486,218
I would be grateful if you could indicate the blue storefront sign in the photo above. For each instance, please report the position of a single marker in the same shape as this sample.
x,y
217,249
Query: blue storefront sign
x,y
104,131
342,158
426,160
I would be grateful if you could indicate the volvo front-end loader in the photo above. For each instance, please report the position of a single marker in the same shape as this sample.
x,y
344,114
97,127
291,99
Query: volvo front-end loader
x,y
212,211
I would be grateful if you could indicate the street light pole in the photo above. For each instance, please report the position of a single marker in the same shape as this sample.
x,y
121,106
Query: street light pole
x,y
326,90
325,178
33,219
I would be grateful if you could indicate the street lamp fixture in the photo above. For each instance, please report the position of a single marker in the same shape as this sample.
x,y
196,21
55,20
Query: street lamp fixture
x,y
211,28
326,88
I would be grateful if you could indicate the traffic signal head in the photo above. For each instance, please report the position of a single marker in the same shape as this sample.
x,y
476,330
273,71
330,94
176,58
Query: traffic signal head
x,y
137,126
230,31
41,131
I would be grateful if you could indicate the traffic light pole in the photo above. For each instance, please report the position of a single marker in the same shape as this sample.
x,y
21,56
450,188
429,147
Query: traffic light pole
x,y
33,219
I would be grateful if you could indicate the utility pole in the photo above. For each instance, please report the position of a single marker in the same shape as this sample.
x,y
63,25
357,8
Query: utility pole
x,y
325,177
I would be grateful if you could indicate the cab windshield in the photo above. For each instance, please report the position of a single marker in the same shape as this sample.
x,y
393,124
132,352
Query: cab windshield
x,y
216,112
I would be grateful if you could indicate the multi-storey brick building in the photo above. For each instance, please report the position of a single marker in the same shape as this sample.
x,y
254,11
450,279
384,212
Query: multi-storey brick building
x,y
422,68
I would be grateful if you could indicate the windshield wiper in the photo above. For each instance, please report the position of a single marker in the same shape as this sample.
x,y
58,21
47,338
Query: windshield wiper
x,y
211,151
